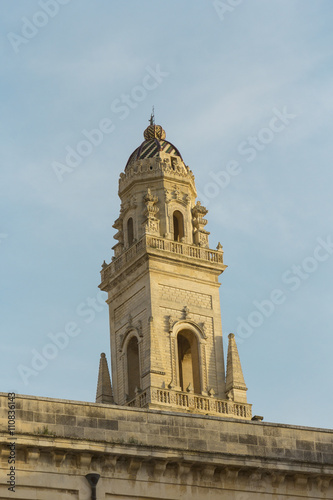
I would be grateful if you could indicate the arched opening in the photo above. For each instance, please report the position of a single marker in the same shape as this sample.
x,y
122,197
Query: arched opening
x,y
133,367
130,232
188,360
178,226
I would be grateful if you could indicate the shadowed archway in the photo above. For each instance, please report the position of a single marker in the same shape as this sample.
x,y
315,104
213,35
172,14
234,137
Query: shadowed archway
x,y
133,367
188,361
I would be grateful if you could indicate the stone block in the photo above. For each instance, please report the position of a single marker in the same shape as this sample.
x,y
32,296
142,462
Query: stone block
x,y
93,434
73,431
47,418
305,445
230,438
111,425
248,439
324,447
65,420
169,431
197,444
271,431
26,415
125,426
137,417
86,422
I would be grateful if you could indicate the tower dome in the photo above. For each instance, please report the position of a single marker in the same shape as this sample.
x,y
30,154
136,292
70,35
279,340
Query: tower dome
x,y
153,145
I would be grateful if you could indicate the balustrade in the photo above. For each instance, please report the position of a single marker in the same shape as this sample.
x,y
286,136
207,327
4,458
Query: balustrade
x,y
163,244
186,401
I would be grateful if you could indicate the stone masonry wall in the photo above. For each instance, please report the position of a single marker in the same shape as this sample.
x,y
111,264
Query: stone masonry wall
x,y
175,294
151,454
193,433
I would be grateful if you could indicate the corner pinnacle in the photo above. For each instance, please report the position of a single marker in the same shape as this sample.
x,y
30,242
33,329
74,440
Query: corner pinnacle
x,y
104,388
235,383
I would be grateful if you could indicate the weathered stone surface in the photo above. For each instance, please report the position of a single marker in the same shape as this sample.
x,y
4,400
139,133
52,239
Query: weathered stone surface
x,y
195,455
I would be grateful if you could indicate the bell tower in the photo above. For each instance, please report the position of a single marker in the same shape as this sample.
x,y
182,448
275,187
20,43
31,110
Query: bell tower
x,y
163,292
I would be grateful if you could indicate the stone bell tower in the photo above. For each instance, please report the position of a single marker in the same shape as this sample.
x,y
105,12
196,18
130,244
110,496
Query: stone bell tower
x,y
163,292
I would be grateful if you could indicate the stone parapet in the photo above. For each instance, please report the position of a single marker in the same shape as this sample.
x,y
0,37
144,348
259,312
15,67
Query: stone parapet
x,y
112,423
165,399
154,245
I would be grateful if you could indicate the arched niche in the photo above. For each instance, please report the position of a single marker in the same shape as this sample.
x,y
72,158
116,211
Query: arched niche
x,y
188,352
133,366
188,361
178,225
130,359
130,231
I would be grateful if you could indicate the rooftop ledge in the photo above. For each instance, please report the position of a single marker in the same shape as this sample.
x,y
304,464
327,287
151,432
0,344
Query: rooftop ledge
x,y
174,250
173,412
154,397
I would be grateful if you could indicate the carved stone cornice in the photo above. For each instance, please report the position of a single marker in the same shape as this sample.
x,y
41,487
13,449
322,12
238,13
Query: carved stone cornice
x,y
127,460
152,168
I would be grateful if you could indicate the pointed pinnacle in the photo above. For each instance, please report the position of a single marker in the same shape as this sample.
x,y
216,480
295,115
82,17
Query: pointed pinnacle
x,y
104,388
235,378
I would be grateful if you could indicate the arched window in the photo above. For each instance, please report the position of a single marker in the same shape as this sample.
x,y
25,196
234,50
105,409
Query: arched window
x,y
133,367
130,232
188,359
178,226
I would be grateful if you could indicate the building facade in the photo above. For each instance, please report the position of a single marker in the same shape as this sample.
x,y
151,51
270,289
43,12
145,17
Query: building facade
x,y
175,423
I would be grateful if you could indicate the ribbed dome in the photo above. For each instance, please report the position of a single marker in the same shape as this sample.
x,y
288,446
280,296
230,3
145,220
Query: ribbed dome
x,y
154,144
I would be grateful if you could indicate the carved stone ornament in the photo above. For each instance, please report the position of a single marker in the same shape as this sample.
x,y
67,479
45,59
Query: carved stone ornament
x,y
123,208
199,233
204,330
168,196
177,193
118,224
149,197
199,211
130,326
133,202
151,223
186,312
171,323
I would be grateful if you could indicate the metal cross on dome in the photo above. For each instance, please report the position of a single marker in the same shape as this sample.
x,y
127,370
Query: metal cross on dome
x,y
152,117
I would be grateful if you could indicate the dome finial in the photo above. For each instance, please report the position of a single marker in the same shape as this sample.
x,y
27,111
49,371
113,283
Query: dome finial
x,y
153,131
152,117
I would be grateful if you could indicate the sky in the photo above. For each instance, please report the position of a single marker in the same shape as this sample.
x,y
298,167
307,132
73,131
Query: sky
x,y
244,91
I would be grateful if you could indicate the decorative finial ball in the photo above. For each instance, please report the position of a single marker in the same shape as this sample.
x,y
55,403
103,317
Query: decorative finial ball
x,y
154,131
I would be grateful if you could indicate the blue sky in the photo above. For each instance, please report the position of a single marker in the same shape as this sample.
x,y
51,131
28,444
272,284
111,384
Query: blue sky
x,y
245,93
